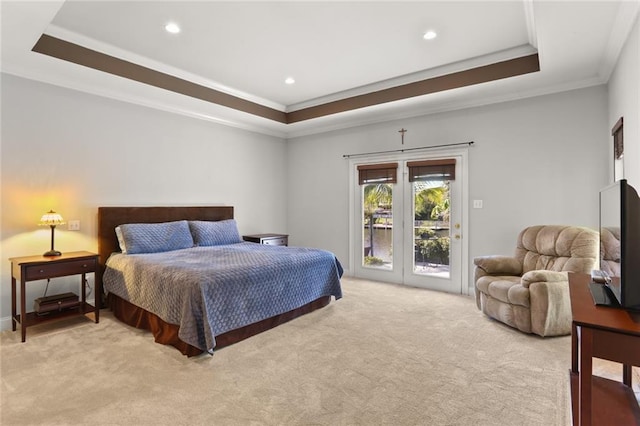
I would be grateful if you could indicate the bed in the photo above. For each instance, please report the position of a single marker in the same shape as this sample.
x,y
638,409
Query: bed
x,y
211,291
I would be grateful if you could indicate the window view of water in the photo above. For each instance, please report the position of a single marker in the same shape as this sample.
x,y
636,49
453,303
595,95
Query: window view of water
x,y
424,261
382,243
430,231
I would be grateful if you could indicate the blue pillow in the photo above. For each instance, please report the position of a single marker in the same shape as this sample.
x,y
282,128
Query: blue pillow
x,y
137,238
207,233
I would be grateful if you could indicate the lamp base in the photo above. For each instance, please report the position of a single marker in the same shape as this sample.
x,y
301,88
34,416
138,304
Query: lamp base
x,y
52,253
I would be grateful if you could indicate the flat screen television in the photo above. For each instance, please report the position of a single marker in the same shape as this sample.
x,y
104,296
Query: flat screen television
x,y
619,247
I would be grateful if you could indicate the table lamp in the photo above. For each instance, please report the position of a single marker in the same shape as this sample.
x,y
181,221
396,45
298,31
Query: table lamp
x,y
51,219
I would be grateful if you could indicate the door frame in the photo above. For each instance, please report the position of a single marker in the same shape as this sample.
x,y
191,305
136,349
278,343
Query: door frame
x,y
354,196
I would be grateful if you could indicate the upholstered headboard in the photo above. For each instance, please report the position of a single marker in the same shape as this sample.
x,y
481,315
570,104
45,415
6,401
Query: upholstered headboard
x,y
110,217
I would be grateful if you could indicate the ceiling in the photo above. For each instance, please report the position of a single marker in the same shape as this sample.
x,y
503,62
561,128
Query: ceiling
x,y
353,62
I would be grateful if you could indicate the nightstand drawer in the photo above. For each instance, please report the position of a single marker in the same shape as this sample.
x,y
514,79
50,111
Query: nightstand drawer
x,y
275,241
60,269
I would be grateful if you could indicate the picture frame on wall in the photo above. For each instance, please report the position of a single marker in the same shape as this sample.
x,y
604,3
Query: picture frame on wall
x,y
618,150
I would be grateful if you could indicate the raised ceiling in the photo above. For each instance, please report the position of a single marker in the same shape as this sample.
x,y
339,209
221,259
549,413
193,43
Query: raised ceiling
x,y
343,55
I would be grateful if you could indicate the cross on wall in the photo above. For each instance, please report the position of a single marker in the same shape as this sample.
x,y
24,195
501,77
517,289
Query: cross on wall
x,y
402,132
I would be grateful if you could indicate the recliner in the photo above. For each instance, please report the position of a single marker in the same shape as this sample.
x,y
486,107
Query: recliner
x,y
530,290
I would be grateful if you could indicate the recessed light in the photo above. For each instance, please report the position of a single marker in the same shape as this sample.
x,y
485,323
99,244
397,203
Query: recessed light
x,y
172,28
430,35
289,80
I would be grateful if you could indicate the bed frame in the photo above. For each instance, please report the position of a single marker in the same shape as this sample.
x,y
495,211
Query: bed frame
x,y
110,217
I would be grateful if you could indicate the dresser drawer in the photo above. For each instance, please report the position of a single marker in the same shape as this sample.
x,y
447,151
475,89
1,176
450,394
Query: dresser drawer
x,y
282,241
60,269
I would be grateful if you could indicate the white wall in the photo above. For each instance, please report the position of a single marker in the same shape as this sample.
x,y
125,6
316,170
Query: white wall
x,y
535,161
624,101
72,152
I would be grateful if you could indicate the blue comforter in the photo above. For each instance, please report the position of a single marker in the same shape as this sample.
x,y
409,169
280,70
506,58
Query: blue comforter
x,y
208,291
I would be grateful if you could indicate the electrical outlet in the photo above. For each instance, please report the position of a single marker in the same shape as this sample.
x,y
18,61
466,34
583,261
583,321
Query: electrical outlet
x,y
73,225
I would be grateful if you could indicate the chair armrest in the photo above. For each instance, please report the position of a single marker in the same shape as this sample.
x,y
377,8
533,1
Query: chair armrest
x,y
550,303
541,275
499,265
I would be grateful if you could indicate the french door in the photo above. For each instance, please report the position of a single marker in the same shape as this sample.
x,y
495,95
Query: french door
x,y
407,220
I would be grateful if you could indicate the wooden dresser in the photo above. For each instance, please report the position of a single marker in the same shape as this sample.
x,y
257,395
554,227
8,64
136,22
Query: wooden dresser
x,y
607,333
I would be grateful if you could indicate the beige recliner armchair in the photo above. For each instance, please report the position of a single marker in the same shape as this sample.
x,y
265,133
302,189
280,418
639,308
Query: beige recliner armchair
x,y
530,291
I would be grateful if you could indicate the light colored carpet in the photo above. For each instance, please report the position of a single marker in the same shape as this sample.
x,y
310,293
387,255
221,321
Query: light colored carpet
x,y
383,355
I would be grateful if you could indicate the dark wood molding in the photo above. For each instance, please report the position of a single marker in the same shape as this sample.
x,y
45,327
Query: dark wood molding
x,y
483,74
71,52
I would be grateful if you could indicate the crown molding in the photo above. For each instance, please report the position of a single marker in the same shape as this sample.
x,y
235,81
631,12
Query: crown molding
x,y
376,117
219,115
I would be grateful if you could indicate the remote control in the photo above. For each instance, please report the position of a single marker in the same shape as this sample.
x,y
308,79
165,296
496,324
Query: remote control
x,y
599,276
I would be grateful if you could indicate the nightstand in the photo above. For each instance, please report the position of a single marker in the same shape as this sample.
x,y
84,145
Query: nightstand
x,y
268,239
32,268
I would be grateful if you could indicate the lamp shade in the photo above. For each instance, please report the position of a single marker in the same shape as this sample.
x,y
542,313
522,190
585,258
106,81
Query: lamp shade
x,y
51,218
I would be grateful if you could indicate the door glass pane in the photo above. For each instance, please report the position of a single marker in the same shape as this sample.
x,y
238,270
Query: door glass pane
x,y
377,223
431,203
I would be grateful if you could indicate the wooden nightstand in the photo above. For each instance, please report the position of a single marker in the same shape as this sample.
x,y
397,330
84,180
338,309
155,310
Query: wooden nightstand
x,y
32,268
268,239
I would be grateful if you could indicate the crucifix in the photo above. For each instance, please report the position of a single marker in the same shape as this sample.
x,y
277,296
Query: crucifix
x,y
403,131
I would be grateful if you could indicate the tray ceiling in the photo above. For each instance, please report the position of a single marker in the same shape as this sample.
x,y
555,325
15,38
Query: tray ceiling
x,y
353,62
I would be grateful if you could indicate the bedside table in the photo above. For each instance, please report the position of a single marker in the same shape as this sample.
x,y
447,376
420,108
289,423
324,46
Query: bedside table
x,y
32,268
268,239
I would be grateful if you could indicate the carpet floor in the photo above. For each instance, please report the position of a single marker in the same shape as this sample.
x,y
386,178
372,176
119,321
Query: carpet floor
x,y
382,355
